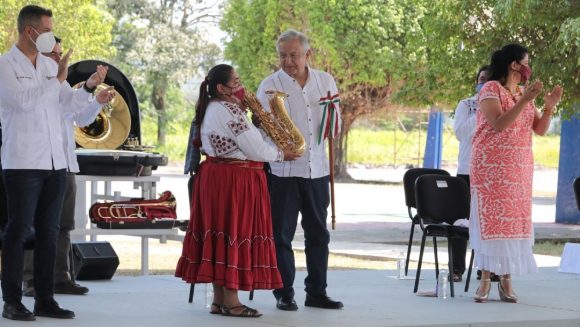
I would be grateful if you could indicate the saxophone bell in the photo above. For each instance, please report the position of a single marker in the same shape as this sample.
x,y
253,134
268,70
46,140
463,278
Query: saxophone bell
x,y
277,124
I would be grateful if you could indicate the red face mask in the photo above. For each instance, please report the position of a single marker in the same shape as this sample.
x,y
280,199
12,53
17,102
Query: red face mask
x,y
240,93
526,73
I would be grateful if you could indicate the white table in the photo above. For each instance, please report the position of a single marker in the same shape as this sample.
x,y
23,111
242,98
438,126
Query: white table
x,y
146,184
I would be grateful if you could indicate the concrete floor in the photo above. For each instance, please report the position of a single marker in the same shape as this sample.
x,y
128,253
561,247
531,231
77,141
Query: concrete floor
x,y
371,298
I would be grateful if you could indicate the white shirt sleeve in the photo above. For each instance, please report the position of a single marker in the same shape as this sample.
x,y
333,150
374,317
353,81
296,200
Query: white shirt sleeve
x,y
255,147
266,85
227,132
88,114
73,100
464,124
334,90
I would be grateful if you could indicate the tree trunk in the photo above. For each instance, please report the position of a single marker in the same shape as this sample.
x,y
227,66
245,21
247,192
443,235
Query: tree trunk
x,y
158,99
340,150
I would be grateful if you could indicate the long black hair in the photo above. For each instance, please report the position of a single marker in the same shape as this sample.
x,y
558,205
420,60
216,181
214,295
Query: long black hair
x,y
220,74
501,60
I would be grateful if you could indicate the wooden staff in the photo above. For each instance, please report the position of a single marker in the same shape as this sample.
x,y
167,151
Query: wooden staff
x,y
331,159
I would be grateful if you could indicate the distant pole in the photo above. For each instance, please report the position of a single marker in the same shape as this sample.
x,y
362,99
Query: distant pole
x,y
433,143
419,142
568,169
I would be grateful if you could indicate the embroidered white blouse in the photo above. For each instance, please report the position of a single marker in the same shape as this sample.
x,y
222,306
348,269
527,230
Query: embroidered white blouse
x,y
306,113
32,101
464,126
226,132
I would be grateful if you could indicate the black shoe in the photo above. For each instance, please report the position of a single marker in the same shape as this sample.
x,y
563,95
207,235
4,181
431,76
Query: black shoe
x,y
457,277
17,311
286,303
322,301
49,308
70,287
28,289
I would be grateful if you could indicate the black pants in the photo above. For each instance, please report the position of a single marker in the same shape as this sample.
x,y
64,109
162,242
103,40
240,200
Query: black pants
x,y
459,246
67,224
310,197
34,200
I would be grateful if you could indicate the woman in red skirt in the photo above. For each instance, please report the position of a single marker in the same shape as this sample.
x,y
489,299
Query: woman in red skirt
x,y
229,240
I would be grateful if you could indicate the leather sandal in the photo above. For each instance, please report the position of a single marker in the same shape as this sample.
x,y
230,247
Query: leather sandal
x,y
246,312
503,295
215,306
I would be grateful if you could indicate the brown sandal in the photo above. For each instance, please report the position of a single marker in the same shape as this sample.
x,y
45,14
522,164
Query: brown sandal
x,y
215,312
246,312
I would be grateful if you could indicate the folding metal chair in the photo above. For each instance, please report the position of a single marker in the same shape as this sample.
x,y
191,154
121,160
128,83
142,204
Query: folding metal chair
x,y
441,200
409,179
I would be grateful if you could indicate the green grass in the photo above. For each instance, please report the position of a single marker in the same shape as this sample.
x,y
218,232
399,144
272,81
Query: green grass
x,y
549,248
387,147
366,146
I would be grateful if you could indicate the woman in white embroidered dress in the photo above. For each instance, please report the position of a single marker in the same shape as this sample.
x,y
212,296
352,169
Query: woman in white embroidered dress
x,y
502,167
229,239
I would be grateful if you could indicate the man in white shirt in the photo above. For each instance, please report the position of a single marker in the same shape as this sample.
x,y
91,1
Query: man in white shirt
x,y
33,97
63,283
464,126
301,186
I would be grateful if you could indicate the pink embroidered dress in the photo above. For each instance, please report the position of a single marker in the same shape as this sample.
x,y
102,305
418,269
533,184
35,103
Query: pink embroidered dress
x,y
502,167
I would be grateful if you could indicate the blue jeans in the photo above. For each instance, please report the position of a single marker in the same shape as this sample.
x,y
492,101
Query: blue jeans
x,y
34,199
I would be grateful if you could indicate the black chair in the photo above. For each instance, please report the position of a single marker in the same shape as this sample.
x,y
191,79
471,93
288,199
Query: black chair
x,y
442,200
577,191
409,179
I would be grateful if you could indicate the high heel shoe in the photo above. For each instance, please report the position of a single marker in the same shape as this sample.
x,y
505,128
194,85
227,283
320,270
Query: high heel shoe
x,y
503,295
485,296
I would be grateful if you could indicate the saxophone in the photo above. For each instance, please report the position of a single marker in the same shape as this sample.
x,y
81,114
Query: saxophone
x,y
277,125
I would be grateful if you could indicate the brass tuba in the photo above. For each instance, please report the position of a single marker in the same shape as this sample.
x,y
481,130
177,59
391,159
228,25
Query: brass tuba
x,y
110,128
277,125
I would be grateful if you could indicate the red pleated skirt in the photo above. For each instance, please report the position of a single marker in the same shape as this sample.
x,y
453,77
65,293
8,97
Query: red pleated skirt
x,y
229,240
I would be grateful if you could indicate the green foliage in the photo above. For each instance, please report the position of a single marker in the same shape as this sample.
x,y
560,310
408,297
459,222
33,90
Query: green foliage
x,y
81,24
462,35
362,42
160,47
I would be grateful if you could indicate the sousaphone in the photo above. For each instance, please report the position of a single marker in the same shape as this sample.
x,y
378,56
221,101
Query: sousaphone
x,y
118,120
107,146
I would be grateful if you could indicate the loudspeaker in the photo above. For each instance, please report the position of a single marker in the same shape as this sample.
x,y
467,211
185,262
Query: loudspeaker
x,y
94,260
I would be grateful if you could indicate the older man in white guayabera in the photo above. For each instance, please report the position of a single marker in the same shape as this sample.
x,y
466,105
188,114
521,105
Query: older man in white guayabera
x,y
302,186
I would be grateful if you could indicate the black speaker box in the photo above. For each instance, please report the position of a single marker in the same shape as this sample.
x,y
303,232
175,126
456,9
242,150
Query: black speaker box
x,y
94,260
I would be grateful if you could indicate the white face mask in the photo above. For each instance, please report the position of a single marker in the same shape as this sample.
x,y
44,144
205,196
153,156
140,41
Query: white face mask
x,y
45,42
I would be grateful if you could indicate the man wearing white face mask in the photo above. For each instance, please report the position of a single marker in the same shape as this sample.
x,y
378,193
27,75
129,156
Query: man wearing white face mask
x,y
63,283
34,96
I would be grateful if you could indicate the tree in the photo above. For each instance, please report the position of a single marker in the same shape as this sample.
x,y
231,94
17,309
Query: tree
x,y
160,43
462,35
362,43
415,53
81,24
